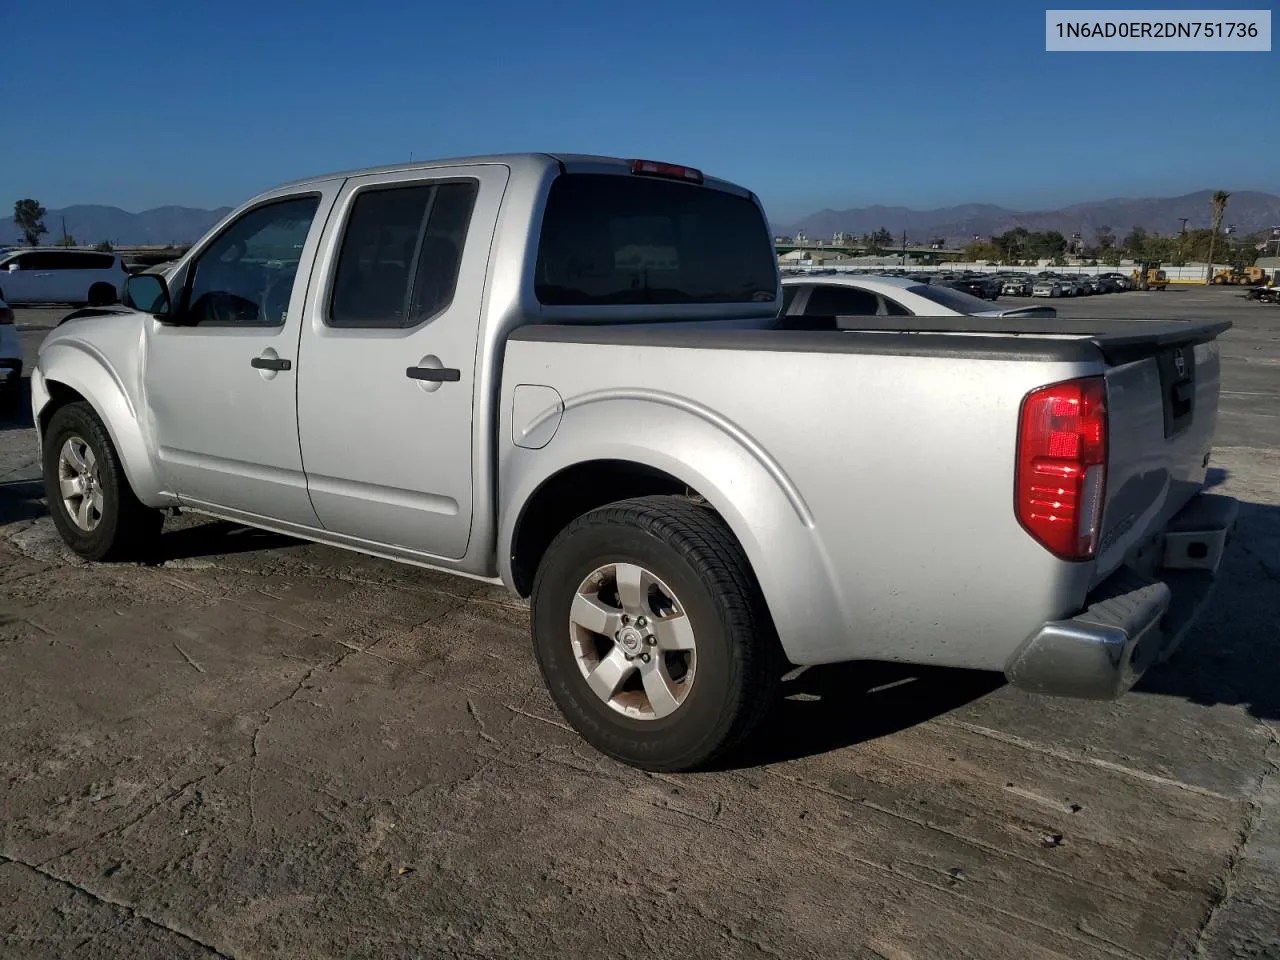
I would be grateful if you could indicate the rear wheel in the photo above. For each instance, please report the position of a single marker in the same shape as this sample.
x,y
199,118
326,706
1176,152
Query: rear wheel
x,y
652,635
93,507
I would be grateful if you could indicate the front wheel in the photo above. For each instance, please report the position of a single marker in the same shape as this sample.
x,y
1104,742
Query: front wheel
x,y
94,509
652,634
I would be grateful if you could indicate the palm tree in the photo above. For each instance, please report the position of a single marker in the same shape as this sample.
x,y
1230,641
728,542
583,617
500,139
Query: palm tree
x,y
1220,198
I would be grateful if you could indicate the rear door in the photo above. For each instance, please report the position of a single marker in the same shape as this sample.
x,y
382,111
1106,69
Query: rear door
x,y
387,362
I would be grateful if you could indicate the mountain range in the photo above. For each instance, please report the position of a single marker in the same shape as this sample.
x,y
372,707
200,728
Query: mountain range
x,y
1247,210
92,224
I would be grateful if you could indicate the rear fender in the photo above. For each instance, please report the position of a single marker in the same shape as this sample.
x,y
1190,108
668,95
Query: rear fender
x,y
717,460
79,366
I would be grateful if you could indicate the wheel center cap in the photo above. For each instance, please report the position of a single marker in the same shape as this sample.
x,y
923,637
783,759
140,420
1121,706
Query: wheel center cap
x,y
630,638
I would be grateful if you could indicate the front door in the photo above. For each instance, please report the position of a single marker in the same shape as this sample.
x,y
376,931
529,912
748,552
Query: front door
x,y
387,365
221,384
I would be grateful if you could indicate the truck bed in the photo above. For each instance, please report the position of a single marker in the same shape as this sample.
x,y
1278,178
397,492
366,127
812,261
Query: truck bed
x,y
896,441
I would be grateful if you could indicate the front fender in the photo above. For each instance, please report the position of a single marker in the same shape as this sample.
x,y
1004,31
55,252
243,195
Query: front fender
x,y
721,462
80,366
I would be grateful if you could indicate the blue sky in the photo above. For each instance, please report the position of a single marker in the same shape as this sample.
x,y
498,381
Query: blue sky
x,y
812,104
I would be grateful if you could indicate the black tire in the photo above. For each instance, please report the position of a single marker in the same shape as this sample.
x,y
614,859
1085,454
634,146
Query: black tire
x,y
127,528
739,660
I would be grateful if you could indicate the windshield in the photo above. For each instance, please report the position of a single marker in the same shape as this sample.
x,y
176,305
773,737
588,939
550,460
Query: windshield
x,y
609,240
951,298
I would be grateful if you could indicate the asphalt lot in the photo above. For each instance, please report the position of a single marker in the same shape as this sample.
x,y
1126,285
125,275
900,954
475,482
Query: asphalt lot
x,y
261,748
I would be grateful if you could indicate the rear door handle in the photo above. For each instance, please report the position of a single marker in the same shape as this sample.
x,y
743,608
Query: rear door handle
x,y
434,374
270,363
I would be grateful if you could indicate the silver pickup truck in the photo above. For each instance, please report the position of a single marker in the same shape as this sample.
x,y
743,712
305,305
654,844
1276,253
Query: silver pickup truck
x,y
573,375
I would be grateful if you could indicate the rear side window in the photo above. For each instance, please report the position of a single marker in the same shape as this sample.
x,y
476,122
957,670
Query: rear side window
x,y
610,239
400,256
834,301
65,260
951,298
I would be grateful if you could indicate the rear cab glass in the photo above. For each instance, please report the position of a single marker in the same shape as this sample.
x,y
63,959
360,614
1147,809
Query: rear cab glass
x,y
611,239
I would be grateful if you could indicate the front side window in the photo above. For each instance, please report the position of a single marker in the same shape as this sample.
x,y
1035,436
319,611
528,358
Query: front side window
x,y
612,239
401,253
245,277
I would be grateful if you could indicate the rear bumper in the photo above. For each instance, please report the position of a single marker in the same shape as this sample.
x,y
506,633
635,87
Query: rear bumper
x,y
1134,618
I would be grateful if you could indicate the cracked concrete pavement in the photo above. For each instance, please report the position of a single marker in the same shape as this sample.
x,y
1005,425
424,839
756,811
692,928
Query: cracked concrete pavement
x,y
262,748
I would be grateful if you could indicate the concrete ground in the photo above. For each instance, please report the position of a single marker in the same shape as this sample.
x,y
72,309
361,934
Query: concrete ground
x,y
267,749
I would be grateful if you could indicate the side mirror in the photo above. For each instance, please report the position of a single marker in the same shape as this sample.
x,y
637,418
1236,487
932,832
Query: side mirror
x,y
149,293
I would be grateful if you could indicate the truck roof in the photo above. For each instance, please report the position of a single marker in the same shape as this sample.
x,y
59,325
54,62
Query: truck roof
x,y
518,162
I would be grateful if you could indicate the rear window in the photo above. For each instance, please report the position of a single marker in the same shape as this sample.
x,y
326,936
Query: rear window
x,y
610,240
951,298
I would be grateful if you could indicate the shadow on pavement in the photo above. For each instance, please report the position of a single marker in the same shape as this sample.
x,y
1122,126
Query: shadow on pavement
x,y
15,412
211,538
21,500
1232,654
840,705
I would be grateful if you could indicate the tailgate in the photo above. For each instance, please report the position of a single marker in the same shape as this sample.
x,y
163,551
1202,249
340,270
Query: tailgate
x,y
1162,402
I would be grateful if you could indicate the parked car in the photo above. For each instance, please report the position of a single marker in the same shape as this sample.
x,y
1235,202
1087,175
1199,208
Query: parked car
x,y
1019,286
979,287
476,366
51,275
869,296
1047,287
10,358
1121,281
1107,284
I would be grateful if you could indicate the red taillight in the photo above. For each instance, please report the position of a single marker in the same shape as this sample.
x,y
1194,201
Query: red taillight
x,y
6,316
673,171
1061,478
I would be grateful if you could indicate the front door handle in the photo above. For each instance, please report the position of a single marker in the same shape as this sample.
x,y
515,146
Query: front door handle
x,y
434,374
270,363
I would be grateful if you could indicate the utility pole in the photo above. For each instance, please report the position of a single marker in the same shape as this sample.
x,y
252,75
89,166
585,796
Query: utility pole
x,y
1182,241
904,248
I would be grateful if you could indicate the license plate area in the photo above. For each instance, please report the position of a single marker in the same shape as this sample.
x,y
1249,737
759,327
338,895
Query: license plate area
x,y
1177,388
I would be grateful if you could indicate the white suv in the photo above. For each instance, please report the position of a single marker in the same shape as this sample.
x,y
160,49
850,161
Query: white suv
x,y
48,275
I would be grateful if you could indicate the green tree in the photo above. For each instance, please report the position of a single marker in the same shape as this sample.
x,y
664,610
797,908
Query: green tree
x,y
67,240
880,241
1219,202
981,250
29,217
1136,242
1106,239
105,246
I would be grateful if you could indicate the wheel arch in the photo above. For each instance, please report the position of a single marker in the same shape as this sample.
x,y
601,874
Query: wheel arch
x,y
584,468
70,372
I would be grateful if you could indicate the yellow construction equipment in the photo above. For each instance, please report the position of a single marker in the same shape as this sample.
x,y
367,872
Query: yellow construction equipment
x,y
1149,276
1241,276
